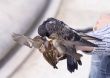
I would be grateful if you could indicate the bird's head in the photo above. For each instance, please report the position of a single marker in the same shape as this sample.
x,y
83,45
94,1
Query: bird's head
x,y
38,41
22,40
42,30
50,26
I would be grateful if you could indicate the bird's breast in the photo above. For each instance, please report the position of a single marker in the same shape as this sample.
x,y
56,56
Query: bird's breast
x,y
56,44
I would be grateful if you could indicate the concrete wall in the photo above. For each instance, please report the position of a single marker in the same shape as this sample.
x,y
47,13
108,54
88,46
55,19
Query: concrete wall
x,y
17,16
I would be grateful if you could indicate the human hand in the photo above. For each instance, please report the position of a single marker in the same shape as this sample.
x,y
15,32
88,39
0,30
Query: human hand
x,y
101,30
103,21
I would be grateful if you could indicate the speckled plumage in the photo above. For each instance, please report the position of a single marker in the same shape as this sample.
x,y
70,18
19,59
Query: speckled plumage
x,y
53,25
49,52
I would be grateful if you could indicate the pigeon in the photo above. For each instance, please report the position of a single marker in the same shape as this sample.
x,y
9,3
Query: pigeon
x,y
68,35
52,25
49,52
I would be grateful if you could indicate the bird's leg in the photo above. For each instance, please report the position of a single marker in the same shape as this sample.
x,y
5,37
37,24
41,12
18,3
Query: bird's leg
x,y
62,57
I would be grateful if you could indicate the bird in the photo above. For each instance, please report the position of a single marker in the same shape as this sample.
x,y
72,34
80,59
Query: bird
x,y
70,37
64,48
49,52
52,25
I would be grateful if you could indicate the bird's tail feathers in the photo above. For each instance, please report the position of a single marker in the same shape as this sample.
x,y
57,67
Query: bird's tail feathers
x,y
77,56
71,64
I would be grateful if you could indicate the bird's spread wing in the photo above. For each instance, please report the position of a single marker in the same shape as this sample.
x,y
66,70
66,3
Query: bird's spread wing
x,y
23,40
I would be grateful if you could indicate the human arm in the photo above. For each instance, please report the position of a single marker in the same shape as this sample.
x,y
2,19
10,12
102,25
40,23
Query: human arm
x,y
101,30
